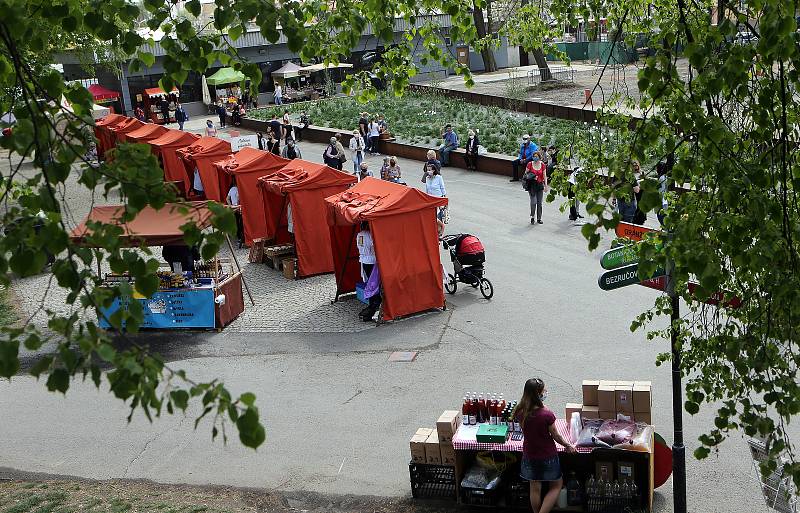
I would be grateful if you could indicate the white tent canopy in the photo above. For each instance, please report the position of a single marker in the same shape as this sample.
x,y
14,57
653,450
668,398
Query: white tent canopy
x,y
322,66
288,70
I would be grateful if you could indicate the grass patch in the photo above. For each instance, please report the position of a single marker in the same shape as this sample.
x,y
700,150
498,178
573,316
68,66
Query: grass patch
x,y
418,118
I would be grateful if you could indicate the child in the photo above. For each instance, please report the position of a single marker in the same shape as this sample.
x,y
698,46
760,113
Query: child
x,y
539,456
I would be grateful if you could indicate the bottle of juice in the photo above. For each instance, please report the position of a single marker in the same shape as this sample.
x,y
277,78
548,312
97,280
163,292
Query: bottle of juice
x,y
481,409
473,411
466,406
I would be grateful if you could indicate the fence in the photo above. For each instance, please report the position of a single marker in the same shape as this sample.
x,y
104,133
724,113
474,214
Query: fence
x,y
551,73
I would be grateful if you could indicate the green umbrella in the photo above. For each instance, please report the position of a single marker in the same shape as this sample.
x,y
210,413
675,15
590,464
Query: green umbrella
x,y
225,76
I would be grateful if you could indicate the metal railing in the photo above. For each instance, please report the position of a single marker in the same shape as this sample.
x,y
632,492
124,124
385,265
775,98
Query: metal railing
x,y
551,74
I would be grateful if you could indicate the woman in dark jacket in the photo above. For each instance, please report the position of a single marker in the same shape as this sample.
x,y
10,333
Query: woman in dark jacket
x,y
471,151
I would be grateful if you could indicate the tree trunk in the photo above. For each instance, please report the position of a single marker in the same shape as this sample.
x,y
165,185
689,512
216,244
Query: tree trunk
x,y
486,54
541,62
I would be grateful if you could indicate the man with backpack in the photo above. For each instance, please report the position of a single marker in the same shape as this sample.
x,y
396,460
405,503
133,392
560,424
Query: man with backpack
x,y
525,155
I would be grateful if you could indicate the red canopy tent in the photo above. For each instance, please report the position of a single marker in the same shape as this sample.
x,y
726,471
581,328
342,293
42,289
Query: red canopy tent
x,y
165,149
248,165
403,225
145,133
102,93
102,130
121,129
202,155
305,189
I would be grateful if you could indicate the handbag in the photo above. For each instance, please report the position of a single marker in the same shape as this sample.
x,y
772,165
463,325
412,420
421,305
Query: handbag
x,y
446,219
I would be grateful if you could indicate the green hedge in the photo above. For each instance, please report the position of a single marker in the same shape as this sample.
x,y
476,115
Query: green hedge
x,y
418,118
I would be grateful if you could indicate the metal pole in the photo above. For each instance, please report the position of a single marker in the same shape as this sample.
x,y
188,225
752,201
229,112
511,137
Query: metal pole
x,y
678,449
239,268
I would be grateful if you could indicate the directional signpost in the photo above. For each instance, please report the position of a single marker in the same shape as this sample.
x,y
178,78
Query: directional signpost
x,y
633,231
623,276
619,257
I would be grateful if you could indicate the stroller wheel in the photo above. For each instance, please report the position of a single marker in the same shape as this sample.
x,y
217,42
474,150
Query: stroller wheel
x,y
487,289
450,285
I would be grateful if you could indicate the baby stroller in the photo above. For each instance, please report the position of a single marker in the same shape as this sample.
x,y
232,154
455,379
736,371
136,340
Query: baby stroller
x,y
467,255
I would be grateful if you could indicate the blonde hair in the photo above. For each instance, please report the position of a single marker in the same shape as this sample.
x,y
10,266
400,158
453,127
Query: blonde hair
x,y
431,154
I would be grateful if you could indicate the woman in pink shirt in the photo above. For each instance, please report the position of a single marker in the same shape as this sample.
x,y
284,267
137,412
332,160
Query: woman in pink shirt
x,y
539,456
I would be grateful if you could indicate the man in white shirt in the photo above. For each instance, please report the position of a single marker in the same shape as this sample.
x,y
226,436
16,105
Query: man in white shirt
x,y
366,256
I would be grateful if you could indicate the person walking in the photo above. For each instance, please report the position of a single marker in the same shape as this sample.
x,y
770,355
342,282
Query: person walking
x,y
211,130
450,143
340,151
287,126
539,455
278,95
374,131
304,122
524,157
471,150
276,127
331,155
536,183
434,186
574,213
357,149
431,156
291,151
164,108
363,130
181,116
627,206
273,143
221,112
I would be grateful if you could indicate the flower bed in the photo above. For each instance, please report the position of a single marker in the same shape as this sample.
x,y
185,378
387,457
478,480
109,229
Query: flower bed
x,y
418,118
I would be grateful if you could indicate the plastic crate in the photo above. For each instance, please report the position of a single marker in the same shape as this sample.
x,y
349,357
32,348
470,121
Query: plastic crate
x,y
481,497
518,495
432,481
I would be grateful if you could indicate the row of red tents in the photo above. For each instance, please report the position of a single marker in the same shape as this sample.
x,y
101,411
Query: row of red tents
x,y
327,208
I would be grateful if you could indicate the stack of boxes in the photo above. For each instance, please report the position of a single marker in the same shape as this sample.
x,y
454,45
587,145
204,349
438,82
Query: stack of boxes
x,y
605,399
435,446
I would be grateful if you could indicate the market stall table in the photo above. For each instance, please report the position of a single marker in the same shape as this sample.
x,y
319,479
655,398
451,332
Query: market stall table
x,y
584,462
211,298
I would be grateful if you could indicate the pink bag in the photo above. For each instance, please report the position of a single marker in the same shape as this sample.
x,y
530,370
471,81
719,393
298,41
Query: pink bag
x,y
615,432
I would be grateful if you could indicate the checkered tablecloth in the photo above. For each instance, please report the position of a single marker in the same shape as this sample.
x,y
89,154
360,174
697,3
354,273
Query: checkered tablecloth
x,y
464,440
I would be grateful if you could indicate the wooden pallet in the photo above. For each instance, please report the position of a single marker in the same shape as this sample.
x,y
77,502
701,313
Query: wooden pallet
x,y
274,254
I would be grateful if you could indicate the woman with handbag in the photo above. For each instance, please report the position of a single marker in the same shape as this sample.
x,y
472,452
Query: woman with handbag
x,y
535,182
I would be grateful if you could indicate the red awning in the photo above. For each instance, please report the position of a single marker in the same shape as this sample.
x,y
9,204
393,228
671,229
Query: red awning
x,y
166,147
157,91
201,155
150,227
102,93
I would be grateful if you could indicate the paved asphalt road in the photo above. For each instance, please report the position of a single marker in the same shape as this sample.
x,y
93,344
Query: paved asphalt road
x,y
339,415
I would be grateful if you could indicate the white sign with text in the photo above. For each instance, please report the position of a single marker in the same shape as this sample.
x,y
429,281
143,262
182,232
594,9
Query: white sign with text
x,y
244,141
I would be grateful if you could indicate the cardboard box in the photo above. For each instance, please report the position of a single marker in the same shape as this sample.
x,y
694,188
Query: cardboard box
x,y
570,408
642,399
607,397
607,415
418,444
607,383
624,397
604,470
643,383
625,471
433,452
289,266
447,425
590,392
590,412
448,453
643,417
